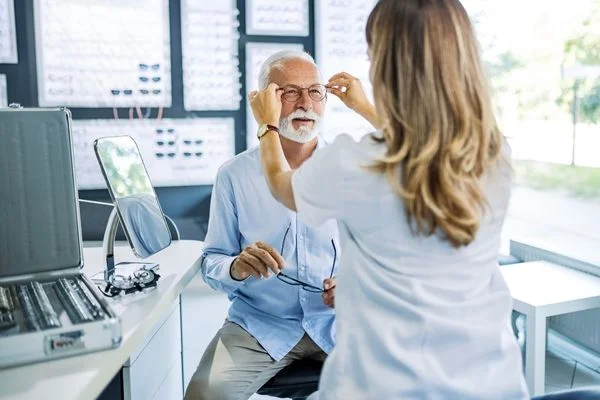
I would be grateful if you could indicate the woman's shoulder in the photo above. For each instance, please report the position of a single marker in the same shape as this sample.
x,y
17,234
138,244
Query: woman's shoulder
x,y
355,153
367,145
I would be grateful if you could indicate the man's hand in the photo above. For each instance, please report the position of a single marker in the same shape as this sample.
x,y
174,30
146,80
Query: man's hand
x,y
256,260
266,105
350,91
329,293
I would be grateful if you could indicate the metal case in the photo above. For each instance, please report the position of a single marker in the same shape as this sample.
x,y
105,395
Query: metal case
x,y
48,308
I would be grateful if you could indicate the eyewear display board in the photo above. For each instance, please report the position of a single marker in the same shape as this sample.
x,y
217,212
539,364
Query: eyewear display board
x,y
277,18
211,73
341,46
8,36
3,94
103,53
256,54
176,152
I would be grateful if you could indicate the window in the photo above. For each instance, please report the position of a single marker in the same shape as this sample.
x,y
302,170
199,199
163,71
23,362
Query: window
x,y
543,59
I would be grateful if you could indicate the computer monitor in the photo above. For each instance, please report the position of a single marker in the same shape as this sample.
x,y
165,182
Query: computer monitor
x,y
132,192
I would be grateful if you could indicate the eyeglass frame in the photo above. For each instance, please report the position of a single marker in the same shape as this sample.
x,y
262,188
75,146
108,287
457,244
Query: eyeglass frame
x,y
301,90
296,282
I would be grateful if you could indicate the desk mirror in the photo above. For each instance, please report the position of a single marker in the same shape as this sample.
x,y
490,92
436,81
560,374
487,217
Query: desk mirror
x,y
129,185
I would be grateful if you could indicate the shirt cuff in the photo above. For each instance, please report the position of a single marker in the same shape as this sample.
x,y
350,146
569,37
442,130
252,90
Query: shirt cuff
x,y
225,276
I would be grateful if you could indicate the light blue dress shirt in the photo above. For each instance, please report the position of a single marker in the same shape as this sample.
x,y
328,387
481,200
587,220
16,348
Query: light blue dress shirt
x,y
242,211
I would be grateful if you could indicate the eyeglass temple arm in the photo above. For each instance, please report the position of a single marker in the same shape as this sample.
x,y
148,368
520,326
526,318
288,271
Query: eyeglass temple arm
x,y
334,258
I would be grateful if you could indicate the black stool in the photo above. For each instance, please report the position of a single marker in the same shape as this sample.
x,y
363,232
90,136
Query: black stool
x,y
297,380
591,393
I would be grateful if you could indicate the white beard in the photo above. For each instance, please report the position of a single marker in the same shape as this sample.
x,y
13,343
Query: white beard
x,y
303,134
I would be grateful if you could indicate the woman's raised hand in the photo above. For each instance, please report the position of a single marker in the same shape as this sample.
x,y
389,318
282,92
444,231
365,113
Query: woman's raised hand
x,y
348,89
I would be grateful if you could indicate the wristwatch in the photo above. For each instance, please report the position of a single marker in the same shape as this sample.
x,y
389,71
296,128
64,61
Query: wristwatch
x,y
264,129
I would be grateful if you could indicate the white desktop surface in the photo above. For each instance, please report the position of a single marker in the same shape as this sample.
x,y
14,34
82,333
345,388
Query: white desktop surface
x,y
85,376
546,286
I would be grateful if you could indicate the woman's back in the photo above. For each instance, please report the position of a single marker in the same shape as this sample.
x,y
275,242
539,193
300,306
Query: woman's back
x,y
422,309
416,316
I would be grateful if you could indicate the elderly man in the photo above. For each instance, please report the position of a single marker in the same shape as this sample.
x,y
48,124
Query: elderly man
x,y
276,270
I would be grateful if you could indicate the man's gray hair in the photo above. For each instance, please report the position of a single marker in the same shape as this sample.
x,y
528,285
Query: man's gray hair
x,y
276,60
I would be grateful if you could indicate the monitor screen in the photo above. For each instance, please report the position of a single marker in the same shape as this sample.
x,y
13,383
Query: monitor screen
x,y
133,194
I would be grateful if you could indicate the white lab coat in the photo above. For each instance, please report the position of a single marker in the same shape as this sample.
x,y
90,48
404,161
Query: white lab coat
x,y
416,317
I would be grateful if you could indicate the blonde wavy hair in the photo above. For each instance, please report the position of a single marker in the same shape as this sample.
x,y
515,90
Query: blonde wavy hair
x,y
431,93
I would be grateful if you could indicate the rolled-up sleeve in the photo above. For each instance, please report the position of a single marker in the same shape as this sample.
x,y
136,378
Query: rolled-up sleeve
x,y
318,184
222,242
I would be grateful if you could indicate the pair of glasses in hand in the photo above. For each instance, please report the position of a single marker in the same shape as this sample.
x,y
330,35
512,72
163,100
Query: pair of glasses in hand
x,y
296,282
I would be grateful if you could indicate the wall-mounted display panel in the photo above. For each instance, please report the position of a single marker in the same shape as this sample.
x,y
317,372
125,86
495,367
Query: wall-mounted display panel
x,y
176,152
91,55
256,55
341,46
8,34
277,18
211,73
3,91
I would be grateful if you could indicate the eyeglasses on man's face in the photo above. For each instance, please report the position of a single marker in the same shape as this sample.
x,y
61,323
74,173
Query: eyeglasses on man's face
x,y
296,282
292,93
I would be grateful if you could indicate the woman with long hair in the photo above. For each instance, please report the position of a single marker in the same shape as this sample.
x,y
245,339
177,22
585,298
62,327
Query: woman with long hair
x,y
422,308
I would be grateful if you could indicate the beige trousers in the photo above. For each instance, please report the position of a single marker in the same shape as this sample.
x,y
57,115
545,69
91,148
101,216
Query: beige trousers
x,y
234,365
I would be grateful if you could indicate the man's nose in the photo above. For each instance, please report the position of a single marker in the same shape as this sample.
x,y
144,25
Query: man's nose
x,y
304,102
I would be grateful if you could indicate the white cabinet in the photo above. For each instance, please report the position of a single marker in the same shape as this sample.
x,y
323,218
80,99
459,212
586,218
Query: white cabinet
x,y
155,367
203,313
171,388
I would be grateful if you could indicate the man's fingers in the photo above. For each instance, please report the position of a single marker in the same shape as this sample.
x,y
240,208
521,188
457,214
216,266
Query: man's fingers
x,y
252,94
274,253
272,87
328,299
254,263
245,267
265,257
329,293
329,284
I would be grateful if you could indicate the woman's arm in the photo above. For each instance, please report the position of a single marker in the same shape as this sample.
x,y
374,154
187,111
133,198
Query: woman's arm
x,y
266,107
277,170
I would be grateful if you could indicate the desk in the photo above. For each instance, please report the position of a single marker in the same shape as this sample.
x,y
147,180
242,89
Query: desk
x,y
540,290
85,376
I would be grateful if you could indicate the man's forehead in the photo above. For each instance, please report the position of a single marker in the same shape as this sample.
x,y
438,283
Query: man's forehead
x,y
296,73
